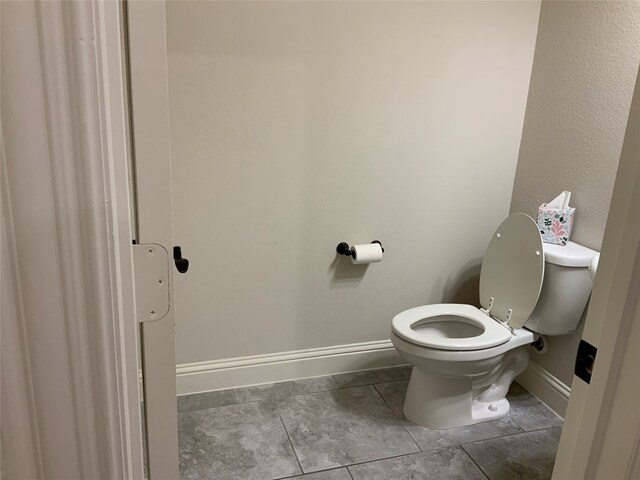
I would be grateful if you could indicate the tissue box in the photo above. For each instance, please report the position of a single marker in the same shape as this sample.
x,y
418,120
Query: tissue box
x,y
555,224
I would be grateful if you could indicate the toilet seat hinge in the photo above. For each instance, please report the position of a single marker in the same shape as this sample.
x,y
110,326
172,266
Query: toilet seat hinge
x,y
506,322
488,309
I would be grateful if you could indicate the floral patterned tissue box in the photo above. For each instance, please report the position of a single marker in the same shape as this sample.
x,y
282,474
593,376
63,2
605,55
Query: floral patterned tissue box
x,y
555,224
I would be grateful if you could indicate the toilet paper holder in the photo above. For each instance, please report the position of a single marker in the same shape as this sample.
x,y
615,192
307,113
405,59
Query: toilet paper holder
x,y
343,248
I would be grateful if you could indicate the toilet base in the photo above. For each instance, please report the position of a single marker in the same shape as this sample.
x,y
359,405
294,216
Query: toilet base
x,y
440,402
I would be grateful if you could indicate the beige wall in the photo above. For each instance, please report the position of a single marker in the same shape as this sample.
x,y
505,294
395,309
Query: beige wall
x,y
299,125
584,70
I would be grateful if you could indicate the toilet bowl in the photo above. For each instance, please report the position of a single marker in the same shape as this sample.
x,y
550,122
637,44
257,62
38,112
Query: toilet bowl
x,y
464,357
458,379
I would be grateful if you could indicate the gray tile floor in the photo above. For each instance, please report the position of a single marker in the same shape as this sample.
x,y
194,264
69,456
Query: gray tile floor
x,y
350,427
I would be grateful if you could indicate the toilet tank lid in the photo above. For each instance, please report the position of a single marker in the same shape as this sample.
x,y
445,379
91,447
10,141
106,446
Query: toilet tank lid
x,y
570,255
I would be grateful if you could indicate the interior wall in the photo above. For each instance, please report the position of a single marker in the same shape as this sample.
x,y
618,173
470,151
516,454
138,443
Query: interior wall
x,y
298,125
584,71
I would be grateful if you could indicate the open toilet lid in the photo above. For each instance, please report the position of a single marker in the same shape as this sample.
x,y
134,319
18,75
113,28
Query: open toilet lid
x,y
513,270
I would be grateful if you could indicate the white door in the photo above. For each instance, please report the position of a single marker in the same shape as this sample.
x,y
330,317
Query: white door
x,y
154,264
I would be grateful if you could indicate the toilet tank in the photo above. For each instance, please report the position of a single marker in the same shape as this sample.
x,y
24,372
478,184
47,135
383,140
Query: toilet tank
x,y
565,289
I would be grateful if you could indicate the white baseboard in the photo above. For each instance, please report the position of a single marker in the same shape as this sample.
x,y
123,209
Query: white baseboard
x,y
276,367
546,387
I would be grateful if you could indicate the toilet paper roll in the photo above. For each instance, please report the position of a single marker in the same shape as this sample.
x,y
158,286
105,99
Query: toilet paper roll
x,y
367,253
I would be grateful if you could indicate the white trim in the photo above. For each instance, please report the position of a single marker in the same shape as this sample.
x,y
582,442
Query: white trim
x,y
546,387
275,367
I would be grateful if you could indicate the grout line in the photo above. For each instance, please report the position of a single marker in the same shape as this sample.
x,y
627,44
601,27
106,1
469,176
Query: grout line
x,y
401,420
461,447
199,409
260,399
406,379
518,424
339,387
273,397
350,474
373,382
293,449
537,429
414,440
515,422
332,469
400,455
540,400
235,395
238,402
411,436
385,401
511,417
381,459
308,393
509,435
276,397
547,407
195,394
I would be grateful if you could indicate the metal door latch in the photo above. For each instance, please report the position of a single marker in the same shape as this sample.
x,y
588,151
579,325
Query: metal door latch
x,y
151,272
585,359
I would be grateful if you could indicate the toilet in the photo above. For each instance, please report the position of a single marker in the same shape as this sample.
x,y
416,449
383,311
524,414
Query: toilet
x,y
465,358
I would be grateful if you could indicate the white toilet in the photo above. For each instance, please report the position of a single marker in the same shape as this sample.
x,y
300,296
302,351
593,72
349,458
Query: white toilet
x,y
465,358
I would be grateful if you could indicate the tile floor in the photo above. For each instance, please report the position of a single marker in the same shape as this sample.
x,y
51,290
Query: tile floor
x,y
350,427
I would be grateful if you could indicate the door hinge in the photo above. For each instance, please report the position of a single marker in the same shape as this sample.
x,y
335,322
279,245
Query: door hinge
x,y
151,272
585,359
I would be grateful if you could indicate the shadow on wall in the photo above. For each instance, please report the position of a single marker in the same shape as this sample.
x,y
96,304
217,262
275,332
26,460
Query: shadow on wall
x,y
464,287
344,273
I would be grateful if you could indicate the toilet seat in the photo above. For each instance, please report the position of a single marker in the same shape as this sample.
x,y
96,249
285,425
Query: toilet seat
x,y
510,283
450,326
